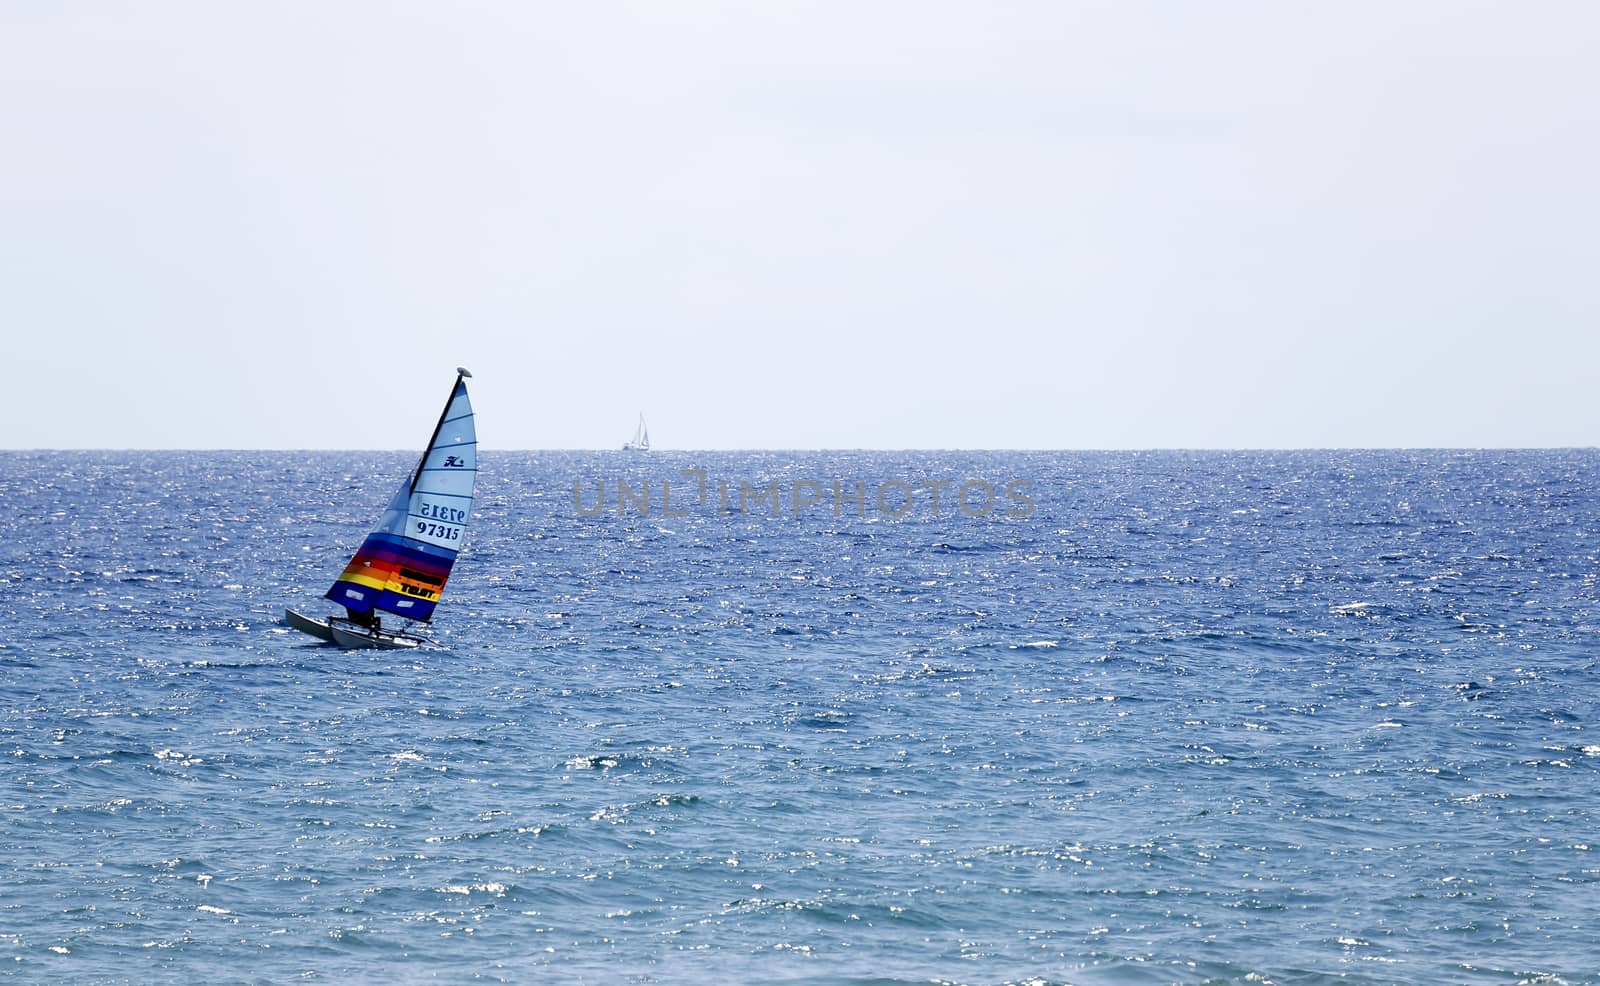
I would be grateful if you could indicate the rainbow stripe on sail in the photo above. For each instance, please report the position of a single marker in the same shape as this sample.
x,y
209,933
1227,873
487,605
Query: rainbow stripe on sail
x,y
402,566
392,574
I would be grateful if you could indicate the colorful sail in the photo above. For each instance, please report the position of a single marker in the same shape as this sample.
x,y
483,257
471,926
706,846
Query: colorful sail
x,y
402,566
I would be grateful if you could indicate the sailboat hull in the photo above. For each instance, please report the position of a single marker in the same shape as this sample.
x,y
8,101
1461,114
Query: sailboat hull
x,y
352,637
305,624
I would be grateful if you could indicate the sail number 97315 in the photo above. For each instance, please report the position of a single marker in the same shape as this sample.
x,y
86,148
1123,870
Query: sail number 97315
x,y
440,531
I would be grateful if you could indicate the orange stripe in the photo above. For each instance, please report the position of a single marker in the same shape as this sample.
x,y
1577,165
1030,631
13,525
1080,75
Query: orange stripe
x,y
376,574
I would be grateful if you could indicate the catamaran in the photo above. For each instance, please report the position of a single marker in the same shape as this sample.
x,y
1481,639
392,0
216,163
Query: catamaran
x,y
641,438
401,567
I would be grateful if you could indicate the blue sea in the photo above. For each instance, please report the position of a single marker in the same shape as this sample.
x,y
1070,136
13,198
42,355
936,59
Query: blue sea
x,y
1091,718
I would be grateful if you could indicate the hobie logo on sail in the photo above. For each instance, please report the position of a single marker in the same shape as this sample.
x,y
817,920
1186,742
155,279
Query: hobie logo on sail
x,y
453,462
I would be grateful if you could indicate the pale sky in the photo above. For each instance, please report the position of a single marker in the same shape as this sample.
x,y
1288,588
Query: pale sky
x,y
800,225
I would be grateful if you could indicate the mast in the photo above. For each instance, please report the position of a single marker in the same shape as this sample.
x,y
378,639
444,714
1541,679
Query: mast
x,y
461,373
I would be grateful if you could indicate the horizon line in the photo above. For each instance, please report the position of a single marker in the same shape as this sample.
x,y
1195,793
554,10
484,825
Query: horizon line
x,y
681,451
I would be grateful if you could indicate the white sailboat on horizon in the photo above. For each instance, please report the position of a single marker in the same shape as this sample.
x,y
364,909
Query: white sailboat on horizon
x,y
641,438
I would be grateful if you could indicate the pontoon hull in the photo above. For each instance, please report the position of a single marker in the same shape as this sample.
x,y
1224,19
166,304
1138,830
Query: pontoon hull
x,y
305,624
353,636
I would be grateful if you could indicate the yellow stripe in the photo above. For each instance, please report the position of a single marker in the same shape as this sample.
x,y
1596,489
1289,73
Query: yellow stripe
x,y
360,577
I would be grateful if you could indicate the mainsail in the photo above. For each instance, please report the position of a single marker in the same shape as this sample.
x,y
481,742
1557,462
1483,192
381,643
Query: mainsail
x,y
402,566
